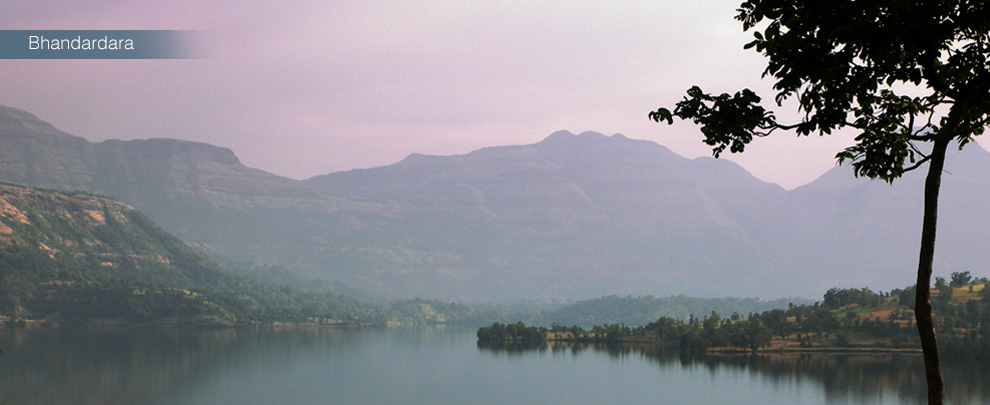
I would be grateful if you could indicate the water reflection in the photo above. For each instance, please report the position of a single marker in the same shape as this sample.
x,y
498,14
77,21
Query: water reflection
x,y
857,378
133,366
432,365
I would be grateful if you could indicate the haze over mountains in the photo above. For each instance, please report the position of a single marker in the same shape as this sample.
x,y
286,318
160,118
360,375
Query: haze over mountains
x,y
573,216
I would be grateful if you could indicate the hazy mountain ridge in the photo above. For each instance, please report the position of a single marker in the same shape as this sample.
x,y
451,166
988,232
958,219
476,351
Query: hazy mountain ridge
x,y
572,206
144,170
876,227
572,216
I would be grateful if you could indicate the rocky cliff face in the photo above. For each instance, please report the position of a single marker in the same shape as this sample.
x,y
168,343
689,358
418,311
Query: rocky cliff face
x,y
79,236
55,222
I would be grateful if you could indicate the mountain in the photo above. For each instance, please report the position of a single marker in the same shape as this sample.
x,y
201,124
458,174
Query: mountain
x,y
572,216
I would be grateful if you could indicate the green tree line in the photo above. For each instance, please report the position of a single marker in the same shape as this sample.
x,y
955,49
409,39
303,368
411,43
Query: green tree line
x,y
845,318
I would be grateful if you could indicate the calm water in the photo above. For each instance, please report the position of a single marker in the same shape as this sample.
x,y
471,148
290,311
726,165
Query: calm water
x,y
432,366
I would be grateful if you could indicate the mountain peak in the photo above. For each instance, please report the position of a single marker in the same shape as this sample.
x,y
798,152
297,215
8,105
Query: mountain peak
x,y
591,135
562,134
586,136
17,121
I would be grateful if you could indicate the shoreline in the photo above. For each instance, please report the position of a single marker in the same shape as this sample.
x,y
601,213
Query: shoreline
x,y
113,324
779,348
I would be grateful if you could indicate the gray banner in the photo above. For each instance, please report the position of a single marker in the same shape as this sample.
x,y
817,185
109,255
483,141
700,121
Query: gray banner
x,y
97,44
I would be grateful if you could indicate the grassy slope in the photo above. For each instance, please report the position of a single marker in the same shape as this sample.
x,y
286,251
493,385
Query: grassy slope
x,y
887,311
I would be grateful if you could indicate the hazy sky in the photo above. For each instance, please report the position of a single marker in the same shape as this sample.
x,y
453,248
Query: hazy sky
x,y
304,88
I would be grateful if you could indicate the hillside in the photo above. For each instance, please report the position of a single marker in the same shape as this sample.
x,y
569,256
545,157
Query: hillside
x,y
81,258
570,217
59,250
83,230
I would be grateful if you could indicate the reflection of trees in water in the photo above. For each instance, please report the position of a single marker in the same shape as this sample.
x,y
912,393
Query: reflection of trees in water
x,y
843,376
513,348
132,366
860,375
557,347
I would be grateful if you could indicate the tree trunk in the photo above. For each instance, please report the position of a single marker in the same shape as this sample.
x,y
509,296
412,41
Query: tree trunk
x,y
923,301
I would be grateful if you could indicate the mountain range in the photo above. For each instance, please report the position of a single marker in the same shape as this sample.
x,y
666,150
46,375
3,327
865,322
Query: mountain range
x,y
572,216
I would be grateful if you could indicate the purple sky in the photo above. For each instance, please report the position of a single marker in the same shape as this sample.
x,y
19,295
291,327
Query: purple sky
x,y
307,88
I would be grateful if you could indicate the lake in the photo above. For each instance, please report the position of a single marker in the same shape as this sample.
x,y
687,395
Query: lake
x,y
434,365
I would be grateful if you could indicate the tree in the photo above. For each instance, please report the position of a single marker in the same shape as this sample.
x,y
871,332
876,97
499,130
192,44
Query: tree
x,y
960,279
905,74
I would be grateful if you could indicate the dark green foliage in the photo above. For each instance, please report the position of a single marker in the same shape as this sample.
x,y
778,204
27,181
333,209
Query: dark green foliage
x,y
777,323
845,62
513,332
906,296
940,283
133,303
959,279
836,297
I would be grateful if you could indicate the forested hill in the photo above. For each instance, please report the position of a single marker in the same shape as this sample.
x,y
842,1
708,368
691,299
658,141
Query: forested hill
x,y
49,235
81,258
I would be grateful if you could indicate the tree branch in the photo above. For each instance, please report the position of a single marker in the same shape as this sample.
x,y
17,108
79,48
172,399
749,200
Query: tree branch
x,y
918,163
924,138
916,150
